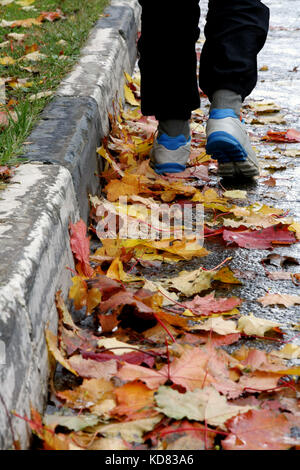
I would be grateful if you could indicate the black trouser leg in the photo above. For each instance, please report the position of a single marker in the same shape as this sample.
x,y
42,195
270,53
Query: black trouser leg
x,y
235,32
169,87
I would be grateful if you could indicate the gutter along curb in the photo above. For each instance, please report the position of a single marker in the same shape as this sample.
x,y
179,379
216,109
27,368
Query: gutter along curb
x,y
42,198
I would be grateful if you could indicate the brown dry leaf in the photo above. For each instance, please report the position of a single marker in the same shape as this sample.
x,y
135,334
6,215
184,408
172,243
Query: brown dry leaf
x,y
52,346
279,299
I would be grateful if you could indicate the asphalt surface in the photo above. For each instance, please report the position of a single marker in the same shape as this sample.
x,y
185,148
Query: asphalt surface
x,y
279,83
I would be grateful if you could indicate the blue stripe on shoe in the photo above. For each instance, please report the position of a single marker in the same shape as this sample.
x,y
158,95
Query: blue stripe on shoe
x,y
172,143
169,168
225,148
218,113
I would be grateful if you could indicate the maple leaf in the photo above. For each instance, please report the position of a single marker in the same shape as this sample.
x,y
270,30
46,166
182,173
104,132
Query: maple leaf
x,y
187,435
91,394
260,430
80,246
194,369
125,298
210,304
279,299
83,296
75,423
52,346
251,325
259,239
134,357
130,431
92,369
134,401
289,351
188,371
190,282
199,405
218,325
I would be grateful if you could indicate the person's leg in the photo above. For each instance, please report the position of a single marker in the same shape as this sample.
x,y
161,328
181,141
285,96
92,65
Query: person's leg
x,y
167,62
235,31
168,66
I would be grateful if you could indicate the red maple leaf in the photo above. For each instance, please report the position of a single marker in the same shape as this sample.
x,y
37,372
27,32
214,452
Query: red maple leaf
x,y
260,239
80,246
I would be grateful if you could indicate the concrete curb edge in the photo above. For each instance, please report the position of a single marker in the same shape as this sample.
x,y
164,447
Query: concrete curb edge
x,y
36,208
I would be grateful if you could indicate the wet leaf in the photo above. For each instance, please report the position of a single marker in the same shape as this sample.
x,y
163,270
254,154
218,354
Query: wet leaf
x,y
251,325
260,430
200,405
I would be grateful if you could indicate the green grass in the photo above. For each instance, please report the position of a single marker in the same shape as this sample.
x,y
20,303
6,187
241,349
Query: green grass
x,y
47,74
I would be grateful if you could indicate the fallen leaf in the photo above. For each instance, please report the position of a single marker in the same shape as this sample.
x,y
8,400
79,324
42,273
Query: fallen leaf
x,y
42,94
289,351
7,60
74,423
118,347
199,405
251,325
80,246
218,325
259,239
130,431
190,282
52,346
93,369
129,96
279,299
291,135
210,304
134,401
260,430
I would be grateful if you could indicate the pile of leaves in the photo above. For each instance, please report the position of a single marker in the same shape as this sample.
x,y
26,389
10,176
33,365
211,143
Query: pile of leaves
x,y
145,357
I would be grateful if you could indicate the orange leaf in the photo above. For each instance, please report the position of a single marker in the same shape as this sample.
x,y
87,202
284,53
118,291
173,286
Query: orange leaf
x,y
135,401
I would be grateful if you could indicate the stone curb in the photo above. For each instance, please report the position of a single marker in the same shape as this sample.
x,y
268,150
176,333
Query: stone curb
x,y
43,197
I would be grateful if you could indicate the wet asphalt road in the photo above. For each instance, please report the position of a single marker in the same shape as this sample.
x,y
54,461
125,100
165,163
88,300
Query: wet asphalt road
x,y
281,84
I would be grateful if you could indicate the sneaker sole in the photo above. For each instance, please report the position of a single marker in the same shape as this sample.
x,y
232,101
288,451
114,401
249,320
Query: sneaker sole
x,y
232,157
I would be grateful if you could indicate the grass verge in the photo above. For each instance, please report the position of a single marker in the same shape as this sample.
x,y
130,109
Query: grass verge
x,y
34,61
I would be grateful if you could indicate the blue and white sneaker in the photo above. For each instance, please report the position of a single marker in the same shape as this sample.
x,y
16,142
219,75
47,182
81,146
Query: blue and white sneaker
x,y
170,154
229,143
